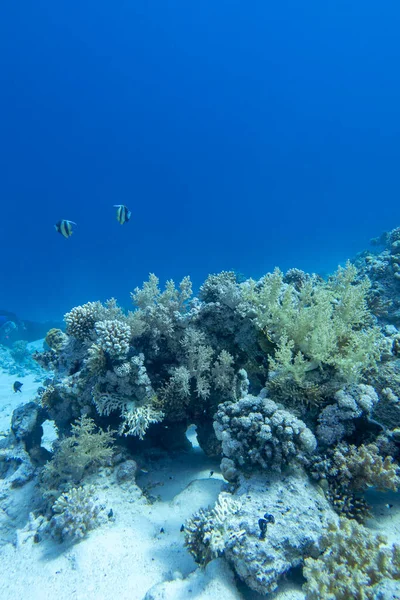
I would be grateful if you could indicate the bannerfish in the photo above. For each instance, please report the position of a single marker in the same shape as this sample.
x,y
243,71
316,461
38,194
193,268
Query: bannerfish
x,y
65,227
17,386
123,213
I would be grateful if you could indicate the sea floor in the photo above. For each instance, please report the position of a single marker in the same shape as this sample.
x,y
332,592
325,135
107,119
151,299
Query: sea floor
x,y
139,553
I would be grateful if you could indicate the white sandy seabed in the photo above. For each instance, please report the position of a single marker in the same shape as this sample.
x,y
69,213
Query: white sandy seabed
x,y
129,558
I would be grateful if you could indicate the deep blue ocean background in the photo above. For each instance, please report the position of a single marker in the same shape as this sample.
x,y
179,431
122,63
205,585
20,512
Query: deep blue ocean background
x,y
241,134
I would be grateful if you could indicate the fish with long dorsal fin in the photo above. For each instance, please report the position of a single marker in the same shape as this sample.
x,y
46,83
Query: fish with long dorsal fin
x,y
123,213
65,227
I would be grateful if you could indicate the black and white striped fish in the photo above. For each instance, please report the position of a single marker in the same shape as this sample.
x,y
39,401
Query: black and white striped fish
x,y
123,213
64,227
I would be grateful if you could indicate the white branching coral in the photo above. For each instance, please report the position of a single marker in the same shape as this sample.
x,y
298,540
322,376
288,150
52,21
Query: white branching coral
x,y
208,532
160,311
223,288
75,513
136,421
198,360
223,373
113,337
81,320
106,404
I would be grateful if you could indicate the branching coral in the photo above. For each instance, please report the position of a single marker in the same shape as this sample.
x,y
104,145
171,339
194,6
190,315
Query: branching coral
x,y
222,372
75,513
113,337
85,447
321,324
363,467
136,421
161,310
81,319
198,357
208,532
354,562
222,288
127,389
175,395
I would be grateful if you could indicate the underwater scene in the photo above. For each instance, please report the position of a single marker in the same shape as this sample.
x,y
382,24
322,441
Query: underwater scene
x,y
200,300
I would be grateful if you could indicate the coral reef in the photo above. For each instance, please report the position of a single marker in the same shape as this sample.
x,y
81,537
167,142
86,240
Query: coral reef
x,y
177,358
264,370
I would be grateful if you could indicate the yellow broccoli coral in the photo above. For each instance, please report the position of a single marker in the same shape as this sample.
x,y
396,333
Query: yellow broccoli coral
x,y
354,563
322,324
363,467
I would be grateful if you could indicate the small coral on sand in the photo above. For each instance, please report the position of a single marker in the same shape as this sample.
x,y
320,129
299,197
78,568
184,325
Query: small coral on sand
x,y
75,513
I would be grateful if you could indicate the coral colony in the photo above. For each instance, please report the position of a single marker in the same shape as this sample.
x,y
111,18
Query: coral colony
x,y
292,380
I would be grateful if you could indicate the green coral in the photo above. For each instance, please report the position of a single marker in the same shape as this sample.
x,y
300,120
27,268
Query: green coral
x,y
354,562
321,324
75,454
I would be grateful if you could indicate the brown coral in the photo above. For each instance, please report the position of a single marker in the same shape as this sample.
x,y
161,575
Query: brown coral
x,y
362,467
96,361
347,504
56,339
354,562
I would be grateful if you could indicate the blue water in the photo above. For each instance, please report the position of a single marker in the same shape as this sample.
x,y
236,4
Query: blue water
x,y
241,135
